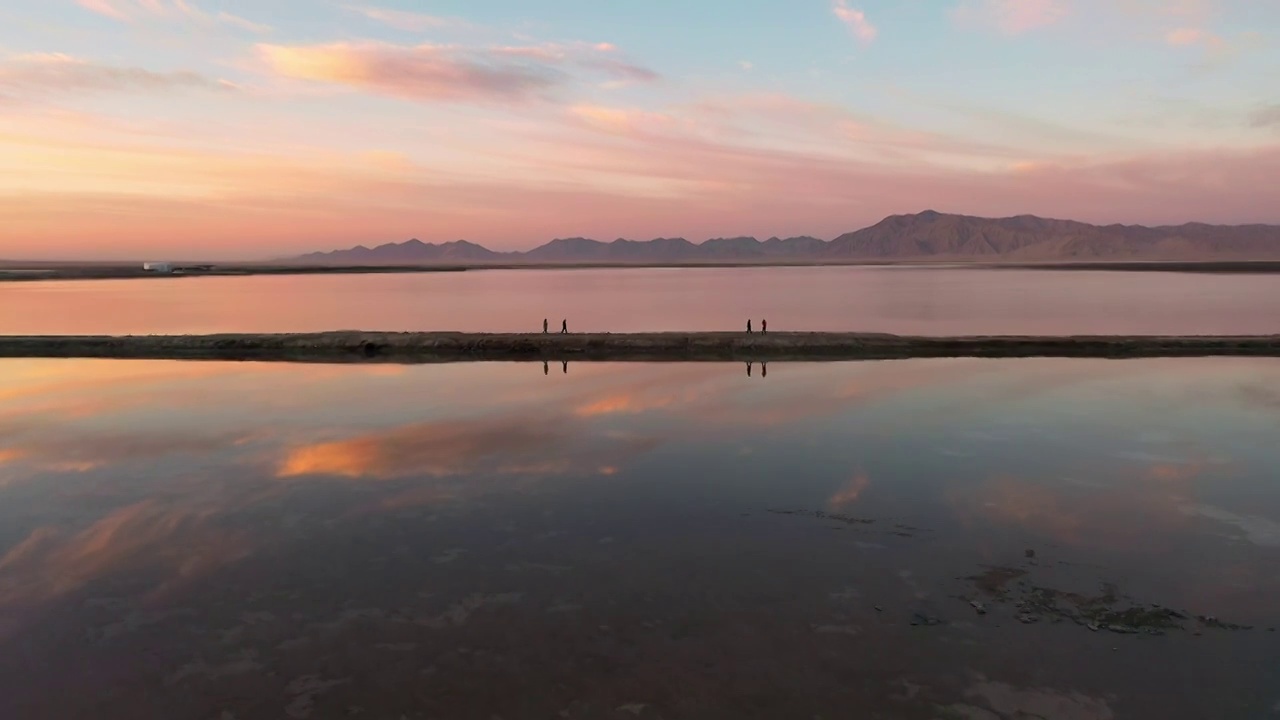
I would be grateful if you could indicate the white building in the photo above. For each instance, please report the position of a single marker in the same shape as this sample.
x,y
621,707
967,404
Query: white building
x,y
158,267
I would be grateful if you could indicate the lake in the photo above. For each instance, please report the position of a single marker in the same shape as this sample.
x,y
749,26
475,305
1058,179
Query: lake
x,y
1068,539
901,299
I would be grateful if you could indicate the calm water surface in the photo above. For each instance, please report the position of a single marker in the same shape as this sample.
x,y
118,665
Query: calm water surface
x,y
924,301
218,541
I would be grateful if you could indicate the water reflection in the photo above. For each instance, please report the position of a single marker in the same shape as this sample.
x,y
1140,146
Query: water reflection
x,y
925,301
212,539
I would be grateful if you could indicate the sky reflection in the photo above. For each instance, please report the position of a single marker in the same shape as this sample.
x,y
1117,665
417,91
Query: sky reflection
x,y
130,491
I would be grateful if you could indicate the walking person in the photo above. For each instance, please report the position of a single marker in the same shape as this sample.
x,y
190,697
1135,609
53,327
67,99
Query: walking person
x,y
564,327
748,327
544,326
764,327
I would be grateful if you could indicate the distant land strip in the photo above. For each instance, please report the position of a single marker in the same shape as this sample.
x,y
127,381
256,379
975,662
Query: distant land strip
x,y
36,272
440,347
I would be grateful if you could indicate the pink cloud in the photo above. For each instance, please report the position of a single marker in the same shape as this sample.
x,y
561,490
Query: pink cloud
x,y
103,7
614,172
55,72
768,164
622,121
1012,17
856,20
1184,36
161,10
403,19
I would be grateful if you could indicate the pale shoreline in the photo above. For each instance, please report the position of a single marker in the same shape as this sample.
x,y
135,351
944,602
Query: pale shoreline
x,y
25,272
443,347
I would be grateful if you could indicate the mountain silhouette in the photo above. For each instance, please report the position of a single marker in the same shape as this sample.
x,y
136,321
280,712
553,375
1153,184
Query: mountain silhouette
x,y
924,235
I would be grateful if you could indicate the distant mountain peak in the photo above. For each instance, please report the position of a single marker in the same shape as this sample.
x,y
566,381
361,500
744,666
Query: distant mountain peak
x,y
928,234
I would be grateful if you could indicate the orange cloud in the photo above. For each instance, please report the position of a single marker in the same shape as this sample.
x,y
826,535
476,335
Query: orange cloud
x,y
1137,510
513,444
425,72
352,458
432,449
51,563
622,404
74,452
446,73
849,493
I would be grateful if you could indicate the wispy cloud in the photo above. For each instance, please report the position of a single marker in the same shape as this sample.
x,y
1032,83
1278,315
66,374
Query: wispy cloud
x,y
450,73
424,72
855,20
599,57
53,562
404,19
133,11
103,7
1215,50
55,73
239,22
1012,17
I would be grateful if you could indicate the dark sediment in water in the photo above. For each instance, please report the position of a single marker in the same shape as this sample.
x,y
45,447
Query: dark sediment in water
x,y
675,346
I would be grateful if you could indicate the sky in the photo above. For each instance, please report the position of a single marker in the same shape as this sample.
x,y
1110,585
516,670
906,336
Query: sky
x,y
179,129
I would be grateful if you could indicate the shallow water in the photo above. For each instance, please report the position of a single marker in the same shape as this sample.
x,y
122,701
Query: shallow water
x,y
217,540
904,300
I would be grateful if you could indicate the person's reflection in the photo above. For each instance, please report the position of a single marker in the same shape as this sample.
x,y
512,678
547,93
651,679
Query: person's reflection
x,y
764,370
564,365
748,368
546,369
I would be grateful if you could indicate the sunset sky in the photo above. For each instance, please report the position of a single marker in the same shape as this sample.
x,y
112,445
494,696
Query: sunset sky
x,y
258,128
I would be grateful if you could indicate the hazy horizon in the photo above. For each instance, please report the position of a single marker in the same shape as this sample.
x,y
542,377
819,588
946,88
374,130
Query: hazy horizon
x,y
178,257
223,130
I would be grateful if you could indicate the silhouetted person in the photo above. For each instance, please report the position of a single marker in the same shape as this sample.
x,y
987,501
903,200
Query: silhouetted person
x,y
748,369
764,369
546,370
764,326
564,327
544,326
748,327
564,366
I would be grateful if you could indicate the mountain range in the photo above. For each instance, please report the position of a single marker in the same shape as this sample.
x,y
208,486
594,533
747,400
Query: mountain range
x,y
927,235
